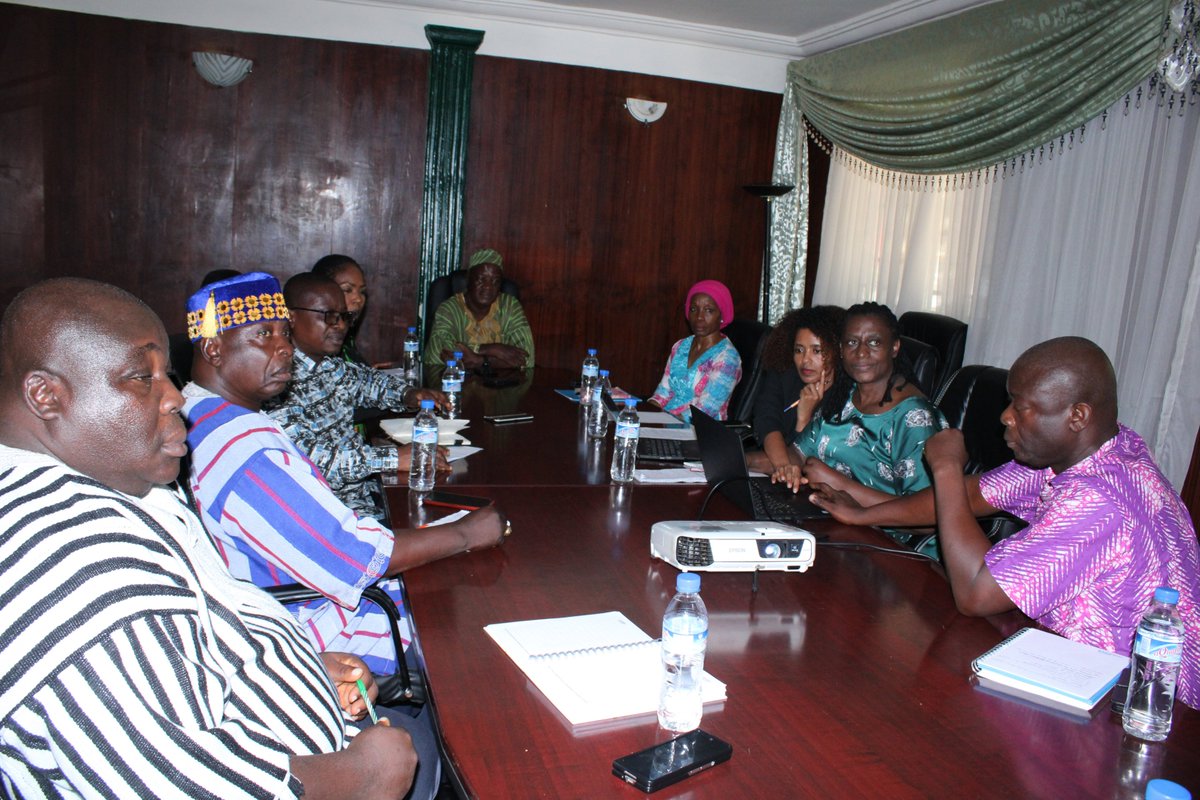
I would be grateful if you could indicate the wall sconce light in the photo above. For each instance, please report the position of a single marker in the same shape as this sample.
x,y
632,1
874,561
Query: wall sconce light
x,y
645,111
222,69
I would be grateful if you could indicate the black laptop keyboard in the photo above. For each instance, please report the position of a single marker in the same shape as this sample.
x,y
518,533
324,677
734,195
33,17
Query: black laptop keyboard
x,y
769,505
661,449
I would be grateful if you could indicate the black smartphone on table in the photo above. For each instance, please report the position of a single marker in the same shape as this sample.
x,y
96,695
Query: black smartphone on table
x,y
670,762
508,419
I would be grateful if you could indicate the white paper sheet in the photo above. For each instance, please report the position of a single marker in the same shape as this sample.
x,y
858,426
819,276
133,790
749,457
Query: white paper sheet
x,y
679,434
449,430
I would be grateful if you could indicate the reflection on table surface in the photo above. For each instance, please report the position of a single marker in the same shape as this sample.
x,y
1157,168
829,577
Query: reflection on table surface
x,y
848,680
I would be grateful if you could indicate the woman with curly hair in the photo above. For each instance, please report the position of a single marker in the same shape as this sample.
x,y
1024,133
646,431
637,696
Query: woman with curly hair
x,y
800,361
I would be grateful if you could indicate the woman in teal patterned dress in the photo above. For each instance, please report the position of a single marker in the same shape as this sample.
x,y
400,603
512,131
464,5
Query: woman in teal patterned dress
x,y
870,440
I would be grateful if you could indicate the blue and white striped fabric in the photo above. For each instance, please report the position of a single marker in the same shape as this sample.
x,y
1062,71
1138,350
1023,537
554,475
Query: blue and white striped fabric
x,y
276,521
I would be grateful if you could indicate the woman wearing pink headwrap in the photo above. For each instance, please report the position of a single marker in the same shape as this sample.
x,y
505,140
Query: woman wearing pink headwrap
x,y
704,367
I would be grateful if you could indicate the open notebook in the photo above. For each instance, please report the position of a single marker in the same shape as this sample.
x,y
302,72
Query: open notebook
x,y
593,668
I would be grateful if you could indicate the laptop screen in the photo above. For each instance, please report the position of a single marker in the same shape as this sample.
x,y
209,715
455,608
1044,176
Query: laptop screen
x,y
725,461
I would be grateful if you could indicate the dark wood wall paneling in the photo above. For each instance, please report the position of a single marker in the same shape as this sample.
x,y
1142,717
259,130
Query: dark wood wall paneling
x,y
123,165
118,162
607,221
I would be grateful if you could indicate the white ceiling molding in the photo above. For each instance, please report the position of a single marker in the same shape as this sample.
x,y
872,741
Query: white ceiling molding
x,y
541,31
880,21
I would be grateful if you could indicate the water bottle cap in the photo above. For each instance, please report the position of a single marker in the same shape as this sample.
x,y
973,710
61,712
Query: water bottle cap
x,y
412,329
1163,789
604,373
1165,594
426,405
591,351
458,355
687,582
451,363
630,402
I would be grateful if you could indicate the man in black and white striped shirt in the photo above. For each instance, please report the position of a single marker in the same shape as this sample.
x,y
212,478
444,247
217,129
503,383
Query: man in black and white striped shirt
x,y
131,663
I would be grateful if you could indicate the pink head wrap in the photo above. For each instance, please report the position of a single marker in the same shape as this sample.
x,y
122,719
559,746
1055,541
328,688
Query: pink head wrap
x,y
720,295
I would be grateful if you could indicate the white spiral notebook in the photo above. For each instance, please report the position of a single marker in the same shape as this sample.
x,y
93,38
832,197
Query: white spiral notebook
x,y
593,667
1043,667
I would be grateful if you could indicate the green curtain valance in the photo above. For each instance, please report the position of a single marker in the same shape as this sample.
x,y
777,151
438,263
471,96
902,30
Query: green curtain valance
x,y
977,88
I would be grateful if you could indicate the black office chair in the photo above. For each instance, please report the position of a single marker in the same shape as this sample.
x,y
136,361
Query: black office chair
x,y
405,687
922,362
179,347
947,335
972,401
748,337
446,286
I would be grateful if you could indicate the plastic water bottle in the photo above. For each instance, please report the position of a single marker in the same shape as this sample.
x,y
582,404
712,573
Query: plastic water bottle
x,y
684,639
597,412
1163,789
424,449
587,378
1154,668
625,443
412,356
451,387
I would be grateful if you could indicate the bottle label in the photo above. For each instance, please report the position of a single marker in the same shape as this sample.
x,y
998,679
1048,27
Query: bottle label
x,y
1159,647
627,430
410,347
425,435
684,643
451,385
591,371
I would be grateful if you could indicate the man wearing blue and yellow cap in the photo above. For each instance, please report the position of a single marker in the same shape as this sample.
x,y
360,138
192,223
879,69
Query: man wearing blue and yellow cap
x,y
270,511
266,504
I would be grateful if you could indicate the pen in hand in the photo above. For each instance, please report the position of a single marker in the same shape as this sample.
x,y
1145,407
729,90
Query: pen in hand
x,y
362,690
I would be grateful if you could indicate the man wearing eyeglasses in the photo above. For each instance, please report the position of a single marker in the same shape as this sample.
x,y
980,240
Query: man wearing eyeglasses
x,y
317,410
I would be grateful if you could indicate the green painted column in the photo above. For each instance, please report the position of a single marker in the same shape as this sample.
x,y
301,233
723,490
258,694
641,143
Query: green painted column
x,y
450,68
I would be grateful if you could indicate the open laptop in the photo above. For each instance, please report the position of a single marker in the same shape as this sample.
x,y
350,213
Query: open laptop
x,y
651,449
723,458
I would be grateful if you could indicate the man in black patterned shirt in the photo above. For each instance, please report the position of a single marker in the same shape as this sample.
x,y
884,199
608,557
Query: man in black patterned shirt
x,y
317,410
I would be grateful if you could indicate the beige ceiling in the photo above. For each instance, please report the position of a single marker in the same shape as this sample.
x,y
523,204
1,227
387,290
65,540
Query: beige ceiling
x,y
813,25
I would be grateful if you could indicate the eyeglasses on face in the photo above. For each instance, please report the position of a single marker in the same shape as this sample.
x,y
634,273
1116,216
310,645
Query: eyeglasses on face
x,y
331,317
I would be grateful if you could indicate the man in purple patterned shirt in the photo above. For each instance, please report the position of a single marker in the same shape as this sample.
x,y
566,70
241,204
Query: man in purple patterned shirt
x,y
1105,526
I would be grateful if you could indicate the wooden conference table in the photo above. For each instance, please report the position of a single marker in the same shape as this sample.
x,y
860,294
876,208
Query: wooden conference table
x,y
849,680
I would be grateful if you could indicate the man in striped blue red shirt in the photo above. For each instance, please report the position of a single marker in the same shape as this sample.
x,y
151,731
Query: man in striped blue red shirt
x,y
271,512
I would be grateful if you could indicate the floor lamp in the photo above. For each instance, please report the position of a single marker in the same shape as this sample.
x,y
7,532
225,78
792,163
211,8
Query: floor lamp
x,y
768,192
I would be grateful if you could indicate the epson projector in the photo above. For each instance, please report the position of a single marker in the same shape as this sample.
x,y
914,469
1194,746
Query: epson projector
x,y
732,546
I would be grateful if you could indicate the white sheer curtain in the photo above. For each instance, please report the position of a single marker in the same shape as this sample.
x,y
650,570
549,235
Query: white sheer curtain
x,y
1103,243
903,242
1100,241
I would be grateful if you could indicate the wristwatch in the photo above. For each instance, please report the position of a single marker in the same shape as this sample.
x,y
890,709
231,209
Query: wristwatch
x,y
486,366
